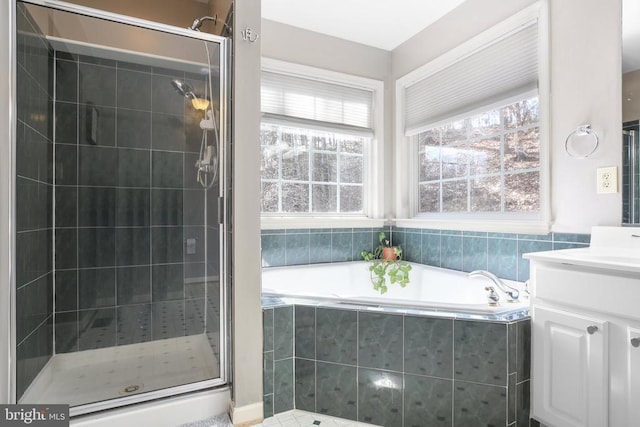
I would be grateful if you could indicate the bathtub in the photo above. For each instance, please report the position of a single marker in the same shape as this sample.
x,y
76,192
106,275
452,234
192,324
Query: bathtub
x,y
349,283
326,332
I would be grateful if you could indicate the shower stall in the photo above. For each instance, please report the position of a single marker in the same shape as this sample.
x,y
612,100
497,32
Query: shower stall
x,y
121,182
631,172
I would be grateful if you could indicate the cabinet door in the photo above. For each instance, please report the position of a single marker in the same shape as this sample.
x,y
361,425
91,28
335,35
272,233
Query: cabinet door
x,y
570,369
633,375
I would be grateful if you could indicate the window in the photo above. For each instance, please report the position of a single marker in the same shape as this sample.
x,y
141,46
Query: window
x,y
306,170
475,129
489,162
319,136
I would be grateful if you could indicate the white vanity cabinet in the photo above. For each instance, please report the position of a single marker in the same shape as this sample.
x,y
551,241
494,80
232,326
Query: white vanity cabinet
x,y
569,367
633,380
631,356
585,310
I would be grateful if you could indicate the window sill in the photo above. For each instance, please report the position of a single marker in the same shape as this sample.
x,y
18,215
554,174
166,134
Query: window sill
x,y
273,223
491,226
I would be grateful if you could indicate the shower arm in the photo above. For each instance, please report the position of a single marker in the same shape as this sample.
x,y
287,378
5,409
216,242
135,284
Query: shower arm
x,y
197,23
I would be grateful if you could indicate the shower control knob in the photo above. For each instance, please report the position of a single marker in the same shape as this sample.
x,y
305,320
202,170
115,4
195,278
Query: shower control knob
x,y
592,329
635,342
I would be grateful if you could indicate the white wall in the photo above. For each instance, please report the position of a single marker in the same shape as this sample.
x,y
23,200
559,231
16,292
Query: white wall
x,y
292,44
247,309
585,88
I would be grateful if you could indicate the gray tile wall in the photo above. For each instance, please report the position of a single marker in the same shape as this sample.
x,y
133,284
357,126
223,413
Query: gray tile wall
x,y
313,246
126,203
34,190
500,253
396,370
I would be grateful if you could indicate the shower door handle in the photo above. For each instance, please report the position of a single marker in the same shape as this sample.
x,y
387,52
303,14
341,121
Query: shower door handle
x,y
221,210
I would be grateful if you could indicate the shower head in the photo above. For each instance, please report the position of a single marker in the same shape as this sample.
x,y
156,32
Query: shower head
x,y
199,21
183,88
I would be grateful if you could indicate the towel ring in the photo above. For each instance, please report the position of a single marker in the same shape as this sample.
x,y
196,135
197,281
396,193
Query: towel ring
x,y
582,142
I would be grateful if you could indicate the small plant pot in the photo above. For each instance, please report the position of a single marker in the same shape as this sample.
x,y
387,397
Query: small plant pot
x,y
389,254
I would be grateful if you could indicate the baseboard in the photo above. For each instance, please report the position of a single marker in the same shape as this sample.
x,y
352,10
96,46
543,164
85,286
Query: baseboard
x,y
248,415
249,424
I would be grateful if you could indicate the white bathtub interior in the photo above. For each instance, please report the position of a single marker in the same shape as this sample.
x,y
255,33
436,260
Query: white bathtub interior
x,y
350,282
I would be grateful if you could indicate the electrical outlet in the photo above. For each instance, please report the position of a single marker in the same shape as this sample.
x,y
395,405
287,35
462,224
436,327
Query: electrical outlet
x,y
607,179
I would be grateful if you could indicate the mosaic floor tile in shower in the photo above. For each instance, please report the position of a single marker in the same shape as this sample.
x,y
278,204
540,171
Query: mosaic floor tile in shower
x,y
298,418
107,373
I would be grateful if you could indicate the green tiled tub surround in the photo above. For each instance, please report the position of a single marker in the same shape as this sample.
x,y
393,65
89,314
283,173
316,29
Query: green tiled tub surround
x,y
313,246
500,253
395,369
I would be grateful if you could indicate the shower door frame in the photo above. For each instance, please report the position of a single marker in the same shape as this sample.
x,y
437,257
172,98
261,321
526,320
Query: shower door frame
x,y
7,151
8,115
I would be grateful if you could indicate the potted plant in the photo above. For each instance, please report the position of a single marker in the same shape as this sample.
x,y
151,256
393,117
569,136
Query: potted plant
x,y
386,260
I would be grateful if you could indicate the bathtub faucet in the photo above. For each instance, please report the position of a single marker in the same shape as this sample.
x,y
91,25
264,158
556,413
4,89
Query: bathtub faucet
x,y
511,291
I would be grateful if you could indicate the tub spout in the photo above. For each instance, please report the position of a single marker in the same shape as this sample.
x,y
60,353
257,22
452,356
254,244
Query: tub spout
x,y
512,292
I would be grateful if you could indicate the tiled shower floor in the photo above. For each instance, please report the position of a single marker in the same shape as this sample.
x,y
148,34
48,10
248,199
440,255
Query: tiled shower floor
x,y
96,375
297,418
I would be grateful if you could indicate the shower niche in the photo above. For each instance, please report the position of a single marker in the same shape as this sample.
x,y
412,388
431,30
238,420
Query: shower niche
x,y
120,195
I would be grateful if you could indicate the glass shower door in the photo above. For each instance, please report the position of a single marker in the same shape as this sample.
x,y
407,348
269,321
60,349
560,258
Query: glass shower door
x,y
120,190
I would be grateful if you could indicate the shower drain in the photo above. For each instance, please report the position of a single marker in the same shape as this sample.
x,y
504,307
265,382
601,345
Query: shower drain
x,y
131,388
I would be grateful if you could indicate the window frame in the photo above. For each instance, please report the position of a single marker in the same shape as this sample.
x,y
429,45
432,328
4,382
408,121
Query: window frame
x,y
406,184
373,176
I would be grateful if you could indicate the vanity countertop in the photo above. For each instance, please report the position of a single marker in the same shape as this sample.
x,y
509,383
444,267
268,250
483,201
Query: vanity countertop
x,y
612,248
600,258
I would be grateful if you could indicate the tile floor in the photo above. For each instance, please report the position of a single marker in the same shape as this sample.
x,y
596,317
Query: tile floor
x,y
95,375
298,418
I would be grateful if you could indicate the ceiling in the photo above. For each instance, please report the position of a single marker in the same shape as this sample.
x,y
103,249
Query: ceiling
x,y
387,24
383,24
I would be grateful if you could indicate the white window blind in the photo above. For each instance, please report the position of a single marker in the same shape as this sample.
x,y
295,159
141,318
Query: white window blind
x,y
499,70
316,104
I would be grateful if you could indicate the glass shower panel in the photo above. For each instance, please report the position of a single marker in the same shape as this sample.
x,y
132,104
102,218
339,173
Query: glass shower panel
x,y
34,200
120,243
631,176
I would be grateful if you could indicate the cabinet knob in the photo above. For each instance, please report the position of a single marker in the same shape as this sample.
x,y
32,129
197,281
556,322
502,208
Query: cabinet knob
x,y
592,329
635,342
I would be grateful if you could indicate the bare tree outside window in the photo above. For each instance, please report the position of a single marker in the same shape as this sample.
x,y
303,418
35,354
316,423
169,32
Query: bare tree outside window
x,y
311,171
488,162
